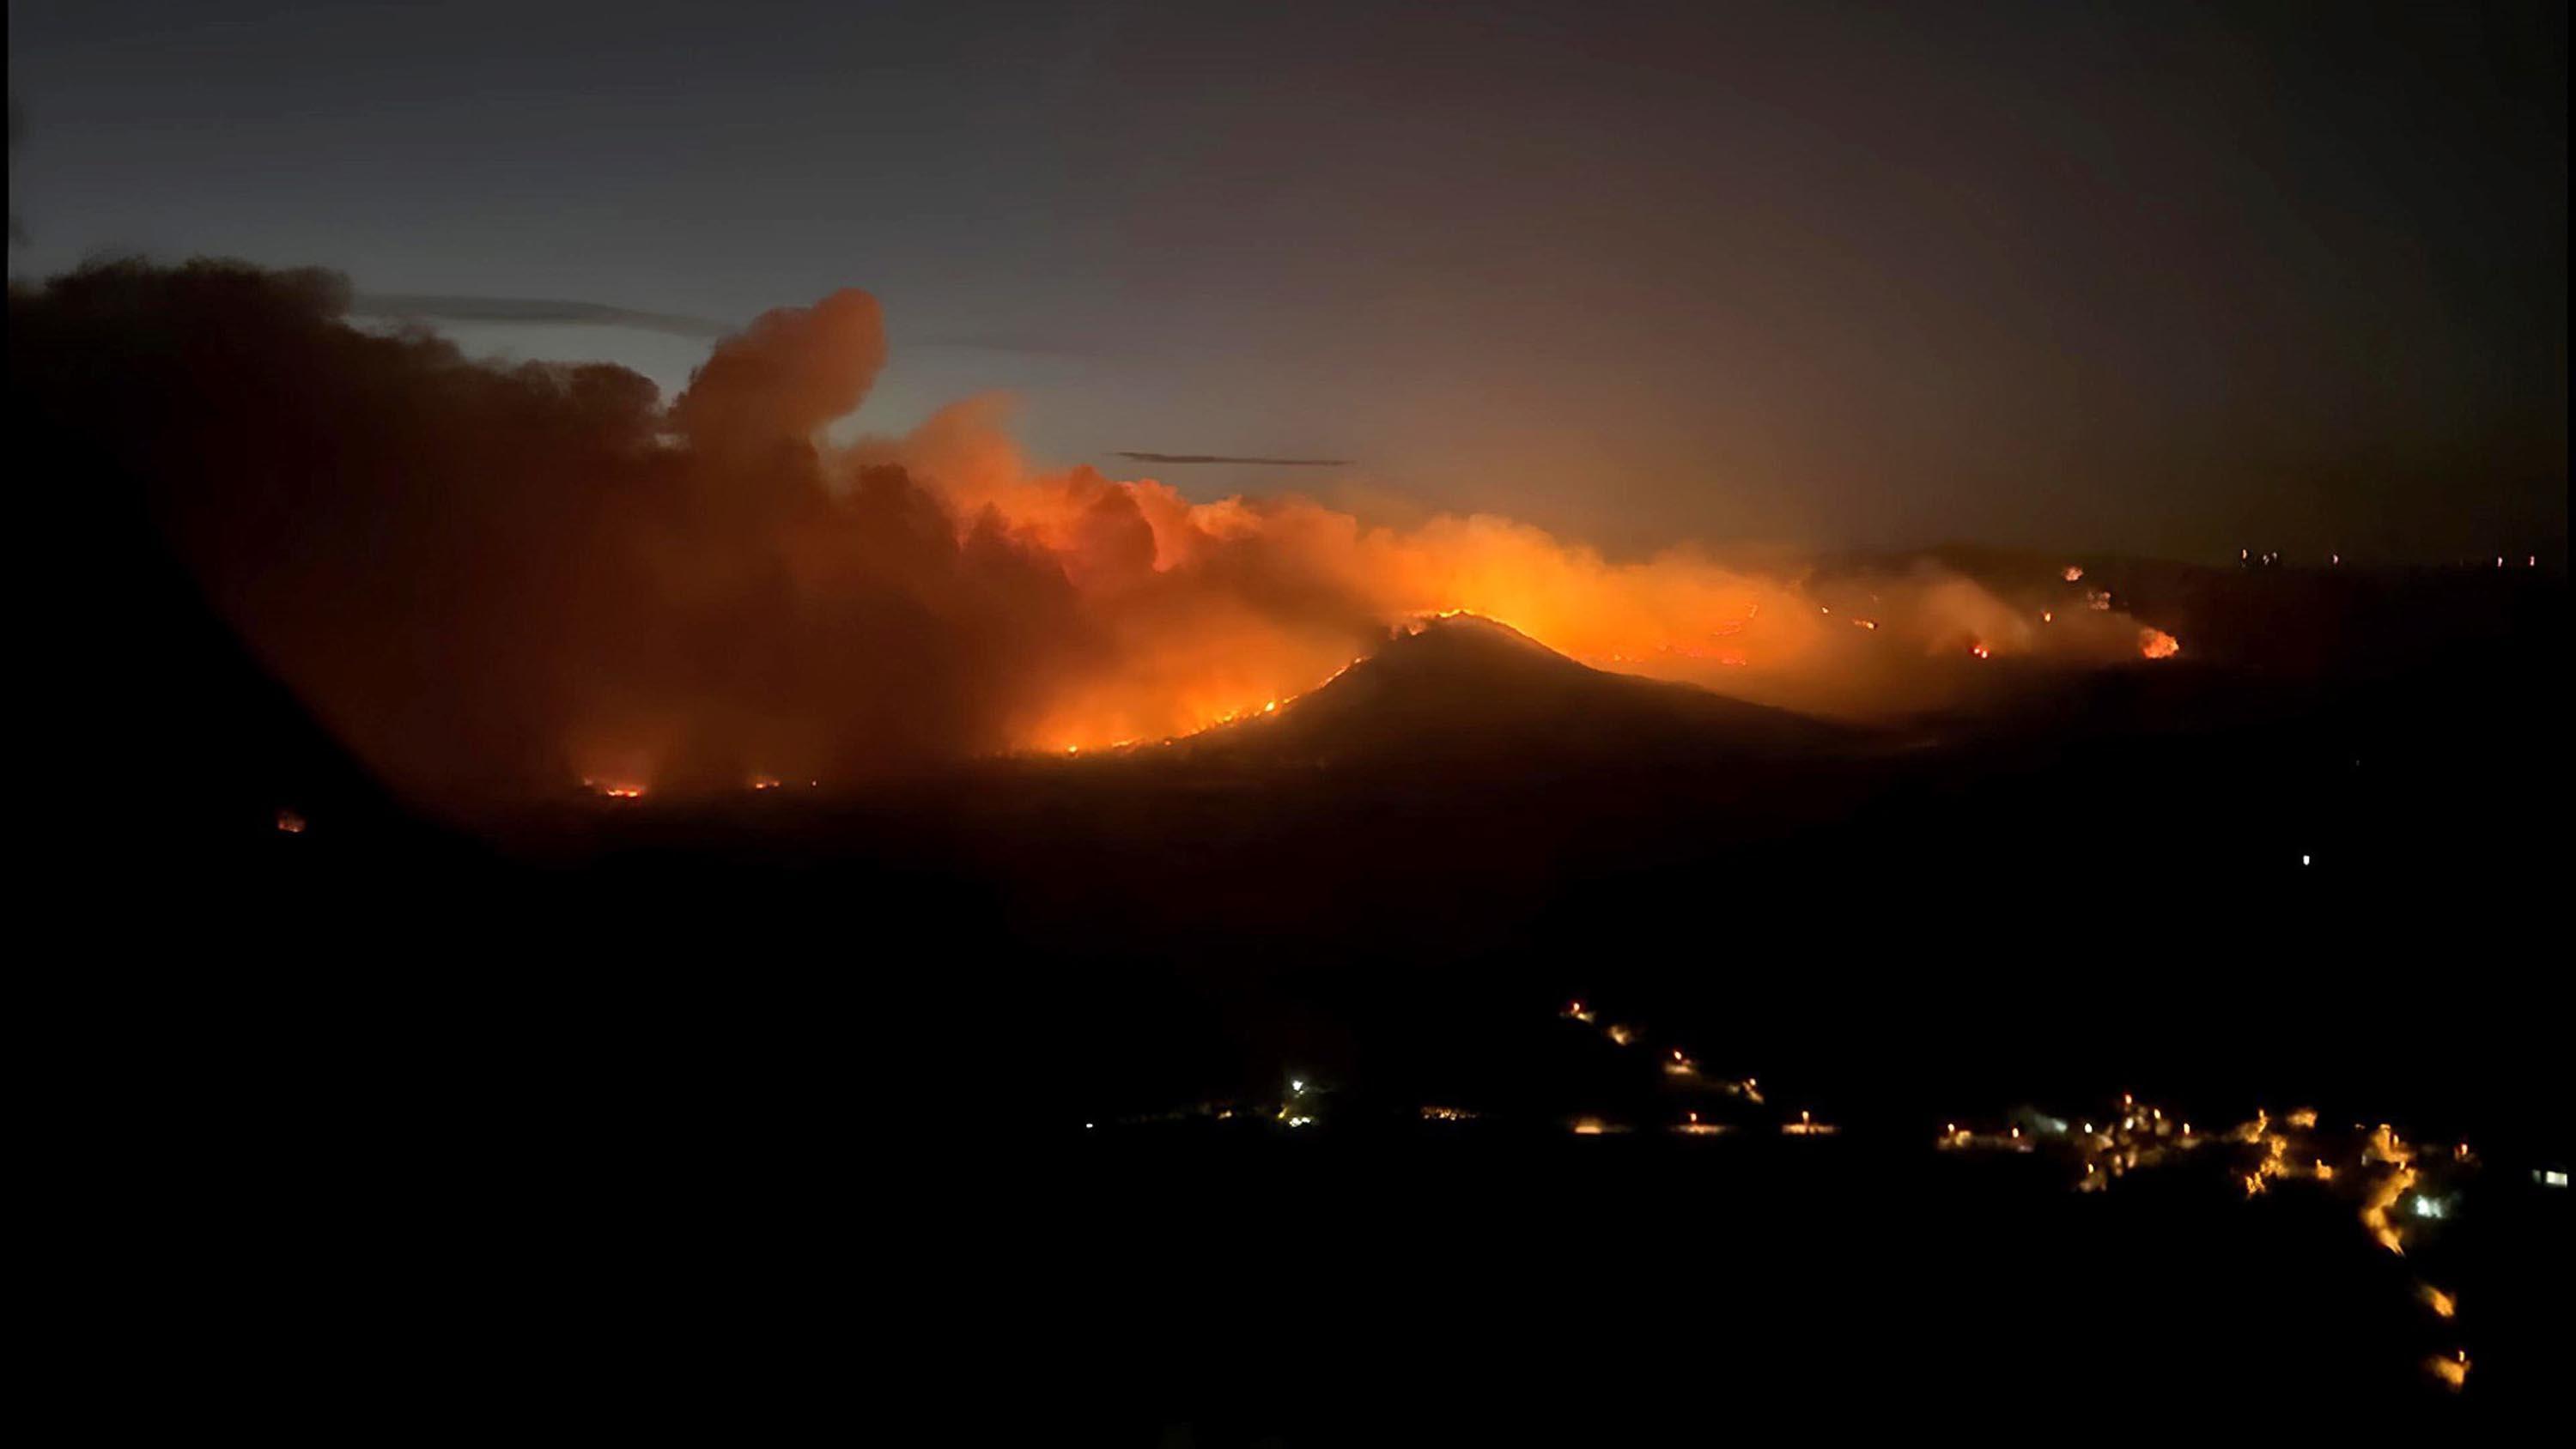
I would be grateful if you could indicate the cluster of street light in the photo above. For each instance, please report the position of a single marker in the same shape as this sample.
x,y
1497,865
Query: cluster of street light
x,y
2398,1187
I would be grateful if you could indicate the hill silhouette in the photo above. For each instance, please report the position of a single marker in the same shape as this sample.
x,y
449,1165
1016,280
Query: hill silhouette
x,y
1466,689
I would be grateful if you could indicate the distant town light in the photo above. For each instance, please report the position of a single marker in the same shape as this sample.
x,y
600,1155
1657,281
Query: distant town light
x,y
2552,1177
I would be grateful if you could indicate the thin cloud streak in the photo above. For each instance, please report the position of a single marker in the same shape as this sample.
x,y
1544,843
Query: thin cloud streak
x,y
553,311
1229,458
534,310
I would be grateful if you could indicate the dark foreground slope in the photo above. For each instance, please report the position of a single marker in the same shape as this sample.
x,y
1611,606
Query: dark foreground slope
x,y
371,1095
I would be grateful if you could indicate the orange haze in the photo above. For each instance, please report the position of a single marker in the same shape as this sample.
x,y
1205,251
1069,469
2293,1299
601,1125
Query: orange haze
x,y
498,580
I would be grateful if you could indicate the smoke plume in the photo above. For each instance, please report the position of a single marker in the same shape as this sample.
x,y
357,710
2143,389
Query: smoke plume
x,y
497,580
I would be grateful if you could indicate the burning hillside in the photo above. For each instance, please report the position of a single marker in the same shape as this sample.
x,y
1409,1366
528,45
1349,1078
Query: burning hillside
x,y
495,580
1462,687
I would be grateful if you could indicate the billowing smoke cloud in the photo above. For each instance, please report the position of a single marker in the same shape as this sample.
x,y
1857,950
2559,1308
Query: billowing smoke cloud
x,y
498,580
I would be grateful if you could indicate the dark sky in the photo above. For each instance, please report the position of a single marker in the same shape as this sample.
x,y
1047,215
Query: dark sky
x,y
2158,277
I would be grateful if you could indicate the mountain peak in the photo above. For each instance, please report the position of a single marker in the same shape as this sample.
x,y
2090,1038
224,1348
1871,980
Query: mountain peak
x,y
1472,643
1465,686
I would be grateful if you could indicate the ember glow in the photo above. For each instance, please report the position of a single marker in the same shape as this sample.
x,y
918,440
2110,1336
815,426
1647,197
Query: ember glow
x,y
681,598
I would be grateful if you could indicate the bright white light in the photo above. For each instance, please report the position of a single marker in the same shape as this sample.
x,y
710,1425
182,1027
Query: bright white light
x,y
2427,1207
2554,1177
1296,1084
2303,860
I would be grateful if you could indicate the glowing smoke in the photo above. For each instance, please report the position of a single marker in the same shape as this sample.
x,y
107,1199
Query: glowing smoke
x,y
495,580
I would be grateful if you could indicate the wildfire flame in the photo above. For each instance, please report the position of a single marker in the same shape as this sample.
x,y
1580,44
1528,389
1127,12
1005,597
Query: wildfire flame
x,y
1184,598
674,594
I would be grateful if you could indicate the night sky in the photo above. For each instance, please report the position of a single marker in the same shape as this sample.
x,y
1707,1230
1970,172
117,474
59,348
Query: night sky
x,y
2159,278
